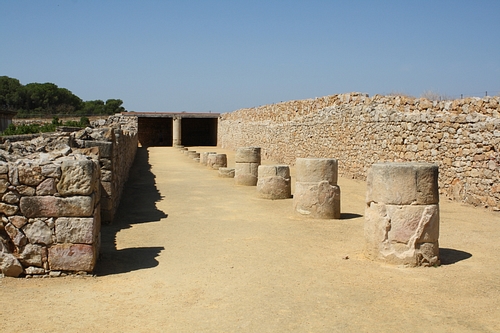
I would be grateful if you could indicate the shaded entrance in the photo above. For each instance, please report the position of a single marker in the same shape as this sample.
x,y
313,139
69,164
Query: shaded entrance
x,y
199,132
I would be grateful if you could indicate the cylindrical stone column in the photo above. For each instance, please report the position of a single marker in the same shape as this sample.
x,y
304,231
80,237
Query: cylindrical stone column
x,y
176,131
216,161
317,194
247,161
192,154
204,157
402,214
226,172
274,182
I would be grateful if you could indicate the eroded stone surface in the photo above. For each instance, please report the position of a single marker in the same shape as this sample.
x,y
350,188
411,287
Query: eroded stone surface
x,y
9,265
274,182
216,161
32,255
38,232
49,206
317,200
75,230
310,170
72,257
47,187
248,155
79,177
226,172
246,174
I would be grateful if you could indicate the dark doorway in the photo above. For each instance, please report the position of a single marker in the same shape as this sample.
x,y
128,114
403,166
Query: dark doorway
x,y
199,131
155,131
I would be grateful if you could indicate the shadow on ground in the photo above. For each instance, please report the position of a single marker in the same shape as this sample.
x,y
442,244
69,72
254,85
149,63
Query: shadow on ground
x,y
451,256
348,216
138,205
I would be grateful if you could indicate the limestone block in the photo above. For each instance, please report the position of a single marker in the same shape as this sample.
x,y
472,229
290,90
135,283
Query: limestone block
x,y
51,170
106,175
216,161
76,230
248,155
38,232
204,157
9,265
402,234
32,255
18,221
106,189
13,174
191,153
26,191
32,270
72,257
11,197
49,206
403,184
246,174
105,148
4,167
78,177
274,182
47,187
196,156
16,236
4,184
7,209
311,170
317,200
226,172
30,175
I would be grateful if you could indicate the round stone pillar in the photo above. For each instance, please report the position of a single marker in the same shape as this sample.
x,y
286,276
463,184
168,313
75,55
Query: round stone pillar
x,y
317,194
402,214
176,131
204,157
216,161
247,161
274,182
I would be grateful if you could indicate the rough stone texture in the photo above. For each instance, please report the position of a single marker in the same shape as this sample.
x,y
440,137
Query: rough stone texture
x,y
204,157
248,155
18,221
216,161
32,255
11,197
9,265
76,230
226,172
47,187
313,170
38,232
29,174
316,192
72,257
246,173
17,237
402,214
8,209
79,177
460,136
403,183
317,200
274,182
49,206
4,184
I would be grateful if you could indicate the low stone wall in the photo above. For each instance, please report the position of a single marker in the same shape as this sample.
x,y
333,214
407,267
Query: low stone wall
x,y
55,189
461,136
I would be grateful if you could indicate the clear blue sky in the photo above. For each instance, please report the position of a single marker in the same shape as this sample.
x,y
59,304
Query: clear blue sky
x,y
219,56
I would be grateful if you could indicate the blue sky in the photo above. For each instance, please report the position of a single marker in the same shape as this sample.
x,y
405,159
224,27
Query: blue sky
x,y
219,56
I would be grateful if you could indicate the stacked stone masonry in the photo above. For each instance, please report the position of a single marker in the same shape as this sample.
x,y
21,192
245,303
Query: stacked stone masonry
x,y
461,136
55,189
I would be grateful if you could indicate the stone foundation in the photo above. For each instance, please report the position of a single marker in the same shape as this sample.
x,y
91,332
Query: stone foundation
x,y
247,161
274,182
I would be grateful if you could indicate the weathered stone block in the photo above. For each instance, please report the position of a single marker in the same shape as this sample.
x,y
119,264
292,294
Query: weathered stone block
x,y
7,209
9,265
216,161
273,170
38,232
105,148
315,170
18,221
49,206
79,177
204,157
317,200
402,234
226,172
30,175
32,255
403,184
75,230
47,187
246,174
274,182
4,185
17,236
11,197
248,155
51,170
25,190
4,167
72,257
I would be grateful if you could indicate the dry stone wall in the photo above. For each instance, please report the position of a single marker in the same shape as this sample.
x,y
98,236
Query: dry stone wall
x,y
461,136
54,189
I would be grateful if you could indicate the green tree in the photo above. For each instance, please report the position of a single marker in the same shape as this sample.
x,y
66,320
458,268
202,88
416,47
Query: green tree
x,y
11,94
114,106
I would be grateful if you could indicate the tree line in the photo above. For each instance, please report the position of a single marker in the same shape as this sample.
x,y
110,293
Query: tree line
x,y
48,100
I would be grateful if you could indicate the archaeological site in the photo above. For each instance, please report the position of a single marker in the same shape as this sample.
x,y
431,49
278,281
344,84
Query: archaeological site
x,y
58,189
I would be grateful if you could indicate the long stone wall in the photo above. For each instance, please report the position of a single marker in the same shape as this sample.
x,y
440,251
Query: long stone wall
x,y
461,136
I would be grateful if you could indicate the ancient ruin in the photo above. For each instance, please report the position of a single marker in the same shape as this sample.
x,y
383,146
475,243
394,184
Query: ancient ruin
x,y
274,182
402,214
247,161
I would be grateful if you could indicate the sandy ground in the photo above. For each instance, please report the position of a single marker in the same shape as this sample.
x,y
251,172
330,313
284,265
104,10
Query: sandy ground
x,y
191,252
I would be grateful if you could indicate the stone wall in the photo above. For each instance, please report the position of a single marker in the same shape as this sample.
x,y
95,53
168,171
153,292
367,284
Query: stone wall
x,y
461,136
55,189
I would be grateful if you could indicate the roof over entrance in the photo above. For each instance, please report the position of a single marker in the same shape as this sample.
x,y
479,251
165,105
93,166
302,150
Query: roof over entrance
x,y
171,114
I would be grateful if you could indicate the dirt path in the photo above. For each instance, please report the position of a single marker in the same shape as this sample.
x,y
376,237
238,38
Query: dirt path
x,y
191,252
